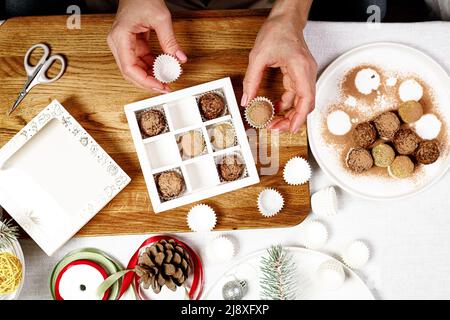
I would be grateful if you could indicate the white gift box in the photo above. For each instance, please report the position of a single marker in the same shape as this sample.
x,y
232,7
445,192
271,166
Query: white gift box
x,y
54,177
161,153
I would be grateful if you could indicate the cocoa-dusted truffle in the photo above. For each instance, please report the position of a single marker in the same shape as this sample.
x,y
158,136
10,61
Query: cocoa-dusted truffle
x,y
406,141
231,168
152,122
427,152
192,143
223,135
383,155
259,113
410,111
387,125
359,160
211,105
170,184
364,134
402,167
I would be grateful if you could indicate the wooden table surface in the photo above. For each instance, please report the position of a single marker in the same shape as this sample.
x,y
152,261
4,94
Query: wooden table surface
x,y
94,92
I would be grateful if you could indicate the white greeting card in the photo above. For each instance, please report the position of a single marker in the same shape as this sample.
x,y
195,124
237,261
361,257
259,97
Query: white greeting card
x,y
54,177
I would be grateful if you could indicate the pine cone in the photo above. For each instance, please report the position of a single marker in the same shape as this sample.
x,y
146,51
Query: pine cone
x,y
163,263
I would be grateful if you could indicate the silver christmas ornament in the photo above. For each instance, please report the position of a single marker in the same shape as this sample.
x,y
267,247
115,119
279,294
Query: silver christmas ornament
x,y
234,290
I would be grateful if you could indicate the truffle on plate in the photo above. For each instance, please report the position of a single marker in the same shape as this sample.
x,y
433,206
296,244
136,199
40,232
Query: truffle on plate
x,y
170,184
406,141
402,167
211,105
152,122
383,155
387,125
231,168
223,136
192,143
410,111
364,134
359,160
427,152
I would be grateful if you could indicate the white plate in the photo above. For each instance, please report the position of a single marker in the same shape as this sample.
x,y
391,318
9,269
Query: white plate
x,y
307,262
391,57
54,177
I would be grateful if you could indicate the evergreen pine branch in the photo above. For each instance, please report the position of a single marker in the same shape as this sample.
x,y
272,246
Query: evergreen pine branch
x,y
279,275
8,234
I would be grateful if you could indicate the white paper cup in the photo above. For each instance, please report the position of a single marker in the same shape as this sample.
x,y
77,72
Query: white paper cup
x,y
324,202
330,275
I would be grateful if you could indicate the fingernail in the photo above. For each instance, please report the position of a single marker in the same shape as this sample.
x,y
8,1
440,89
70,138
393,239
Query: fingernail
x,y
244,100
181,56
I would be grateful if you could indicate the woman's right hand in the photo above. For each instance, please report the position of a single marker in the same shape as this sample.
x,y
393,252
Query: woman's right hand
x,y
129,41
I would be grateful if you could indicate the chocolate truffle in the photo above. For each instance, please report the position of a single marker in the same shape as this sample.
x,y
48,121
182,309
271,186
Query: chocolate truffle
x,y
427,152
402,167
364,134
387,125
211,105
359,160
406,141
170,184
152,122
383,155
223,136
231,168
410,111
259,113
192,143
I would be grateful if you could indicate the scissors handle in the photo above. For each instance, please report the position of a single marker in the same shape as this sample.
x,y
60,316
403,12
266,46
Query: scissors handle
x,y
26,61
41,77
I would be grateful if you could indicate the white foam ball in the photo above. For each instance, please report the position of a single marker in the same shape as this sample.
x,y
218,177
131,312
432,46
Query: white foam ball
x,y
410,90
367,80
339,123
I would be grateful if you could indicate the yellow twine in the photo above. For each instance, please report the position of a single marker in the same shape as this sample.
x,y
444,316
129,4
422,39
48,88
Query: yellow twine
x,y
10,273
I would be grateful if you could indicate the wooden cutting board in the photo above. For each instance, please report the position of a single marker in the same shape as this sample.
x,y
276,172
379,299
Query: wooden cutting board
x,y
94,92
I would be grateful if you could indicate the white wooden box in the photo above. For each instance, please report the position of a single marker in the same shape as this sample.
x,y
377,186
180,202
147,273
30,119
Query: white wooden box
x,y
161,153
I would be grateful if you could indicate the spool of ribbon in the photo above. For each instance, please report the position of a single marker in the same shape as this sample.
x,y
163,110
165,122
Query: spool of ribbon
x,y
79,273
131,279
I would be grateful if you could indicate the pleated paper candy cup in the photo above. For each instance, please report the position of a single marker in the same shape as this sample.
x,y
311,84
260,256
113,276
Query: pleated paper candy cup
x,y
201,218
220,250
316,234
270,202
330,275
356,255
251,106
297,171
324,202
166,68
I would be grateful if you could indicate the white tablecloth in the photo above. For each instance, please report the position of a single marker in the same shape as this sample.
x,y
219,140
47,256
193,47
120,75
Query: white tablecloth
x,y
409,239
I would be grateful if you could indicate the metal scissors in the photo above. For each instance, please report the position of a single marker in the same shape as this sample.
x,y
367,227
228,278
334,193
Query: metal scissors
x,y
37,74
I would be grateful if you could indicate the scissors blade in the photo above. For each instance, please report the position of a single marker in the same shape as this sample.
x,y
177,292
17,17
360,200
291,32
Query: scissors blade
x,y
22,95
